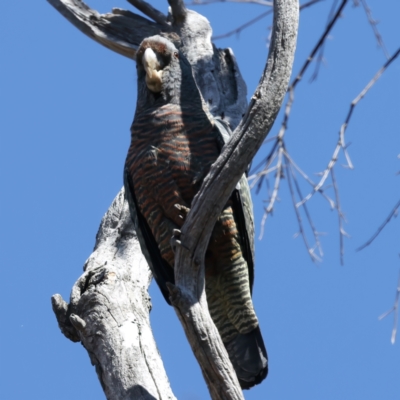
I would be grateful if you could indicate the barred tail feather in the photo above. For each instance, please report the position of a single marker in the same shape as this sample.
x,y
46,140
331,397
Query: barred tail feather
x,y
249,358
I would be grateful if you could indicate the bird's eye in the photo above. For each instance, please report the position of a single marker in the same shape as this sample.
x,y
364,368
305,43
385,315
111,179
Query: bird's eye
x,y
176,54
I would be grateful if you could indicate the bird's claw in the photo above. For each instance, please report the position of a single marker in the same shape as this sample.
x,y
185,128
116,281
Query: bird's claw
x,y
183,211
175,239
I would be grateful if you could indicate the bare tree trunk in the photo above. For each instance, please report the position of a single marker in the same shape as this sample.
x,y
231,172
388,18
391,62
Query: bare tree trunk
x,y
109,305
109,312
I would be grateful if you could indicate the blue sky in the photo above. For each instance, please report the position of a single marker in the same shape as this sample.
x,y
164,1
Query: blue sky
x,y
66,107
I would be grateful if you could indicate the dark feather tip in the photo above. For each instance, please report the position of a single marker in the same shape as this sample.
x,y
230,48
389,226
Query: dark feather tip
x,y
249,358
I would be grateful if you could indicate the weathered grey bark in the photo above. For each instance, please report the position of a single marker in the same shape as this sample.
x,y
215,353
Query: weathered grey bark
x,y
188,296
109,312
109,303
121,31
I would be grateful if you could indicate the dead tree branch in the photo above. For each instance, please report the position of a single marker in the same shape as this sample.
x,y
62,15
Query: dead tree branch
x,y
305,66
258,18
109,312
188,296
278,175
391,215
243,26
374,27
341,218
341,146
150,11
206,2
309,181
280,143
121,31
292,186
320,57
341,142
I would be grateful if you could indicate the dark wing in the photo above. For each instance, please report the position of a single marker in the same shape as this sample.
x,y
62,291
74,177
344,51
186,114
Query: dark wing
x,y
241,204
162,271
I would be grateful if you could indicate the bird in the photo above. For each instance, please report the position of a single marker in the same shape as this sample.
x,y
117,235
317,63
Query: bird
x,y
174,142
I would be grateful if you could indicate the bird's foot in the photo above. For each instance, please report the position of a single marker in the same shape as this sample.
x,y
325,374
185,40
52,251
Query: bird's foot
x,y
175,239
183,211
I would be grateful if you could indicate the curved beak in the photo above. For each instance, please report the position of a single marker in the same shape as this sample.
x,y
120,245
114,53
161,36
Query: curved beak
x,y
153,70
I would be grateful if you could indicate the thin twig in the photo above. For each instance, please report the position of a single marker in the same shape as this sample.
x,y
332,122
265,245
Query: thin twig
x,y
374,27
319,43
206,2
244,26
290,176
297,79
312,183
392,214
268,161
342,232
303,69
320,57
341,142
275,191
370,84
258,18
258,177
394,310
267,158
316,234
293,85
340,145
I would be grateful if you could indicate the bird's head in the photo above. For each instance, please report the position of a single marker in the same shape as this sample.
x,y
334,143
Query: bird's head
x,y
164,74
156,56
